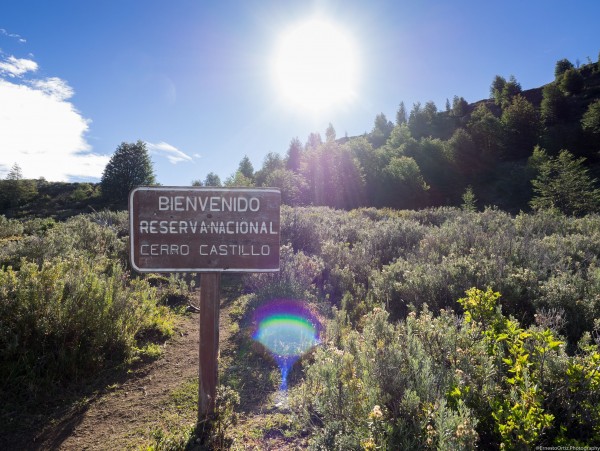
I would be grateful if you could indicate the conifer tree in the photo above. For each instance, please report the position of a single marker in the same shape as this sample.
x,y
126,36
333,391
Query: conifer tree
x,y
590,121
401,114
130,166
294,155
564,183
212,179
246,168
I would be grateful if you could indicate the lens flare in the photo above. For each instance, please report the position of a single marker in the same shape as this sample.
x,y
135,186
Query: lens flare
x,y
288,329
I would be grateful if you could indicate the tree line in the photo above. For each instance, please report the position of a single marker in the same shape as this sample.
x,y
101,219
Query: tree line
x,y
516,150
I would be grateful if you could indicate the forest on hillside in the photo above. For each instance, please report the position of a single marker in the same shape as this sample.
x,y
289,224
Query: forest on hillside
x,y
518,150
493,148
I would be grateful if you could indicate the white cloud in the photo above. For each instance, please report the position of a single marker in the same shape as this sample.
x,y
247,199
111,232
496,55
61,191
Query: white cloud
x,y
168,151
3,32
15,67
54,87
42,132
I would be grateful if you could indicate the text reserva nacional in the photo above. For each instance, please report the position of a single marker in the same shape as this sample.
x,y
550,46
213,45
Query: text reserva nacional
x,y
228,204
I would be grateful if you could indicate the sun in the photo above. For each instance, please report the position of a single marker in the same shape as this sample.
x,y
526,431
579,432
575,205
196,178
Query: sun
x,y
315,66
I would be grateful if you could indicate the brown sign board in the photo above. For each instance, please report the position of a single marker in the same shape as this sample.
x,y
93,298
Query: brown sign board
x,y
194,229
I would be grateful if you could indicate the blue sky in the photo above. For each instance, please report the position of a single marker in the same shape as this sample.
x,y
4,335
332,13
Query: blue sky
x,y
193,79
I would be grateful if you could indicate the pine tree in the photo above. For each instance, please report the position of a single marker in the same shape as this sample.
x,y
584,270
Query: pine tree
x,y
564,183
294,155
246,168
15,190
590,121
15,173
130,166
401,114
212,179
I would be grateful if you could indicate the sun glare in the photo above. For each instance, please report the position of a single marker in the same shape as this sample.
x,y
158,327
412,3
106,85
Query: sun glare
x,y
315,66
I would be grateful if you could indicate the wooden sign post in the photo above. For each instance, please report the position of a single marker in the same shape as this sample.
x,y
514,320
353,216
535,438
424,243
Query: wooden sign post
x,y
208,344
208,231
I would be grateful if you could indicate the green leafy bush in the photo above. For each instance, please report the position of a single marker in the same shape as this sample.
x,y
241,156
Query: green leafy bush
x,y
82,235
542,260
383,389
296,278
66,318
480,381
10,227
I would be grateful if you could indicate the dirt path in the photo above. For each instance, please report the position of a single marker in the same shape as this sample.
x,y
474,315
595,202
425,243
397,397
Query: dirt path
x,y
125,416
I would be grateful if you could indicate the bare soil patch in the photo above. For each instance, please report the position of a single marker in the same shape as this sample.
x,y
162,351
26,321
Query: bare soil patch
x,y
114,420
122,414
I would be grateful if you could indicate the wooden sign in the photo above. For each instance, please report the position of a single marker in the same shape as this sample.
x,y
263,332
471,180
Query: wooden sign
x,y
180,229
208,231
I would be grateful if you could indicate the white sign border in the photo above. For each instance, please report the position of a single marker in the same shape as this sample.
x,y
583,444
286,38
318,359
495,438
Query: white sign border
x,y
192,270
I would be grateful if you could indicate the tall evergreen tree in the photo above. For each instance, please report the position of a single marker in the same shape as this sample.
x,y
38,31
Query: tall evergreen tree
x,y
212,179
15,173
294,187
486,131
561,67
590,121
294,155
314,141
459,106
401,114
496,89
330,133
130,166
564,183
271,163
521,126
503,91
554,105
246,168
15,190
382,128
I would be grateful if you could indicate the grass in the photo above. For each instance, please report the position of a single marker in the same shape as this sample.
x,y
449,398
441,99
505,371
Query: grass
x,y
150,351
248,373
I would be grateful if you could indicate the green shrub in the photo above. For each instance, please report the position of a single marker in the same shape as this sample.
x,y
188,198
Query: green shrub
x,y
296,278
446,382
386,240
66,318
10,227
83,192
383,389
78,236
579,405
518,410
300,230
38,226
432,256
117,221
